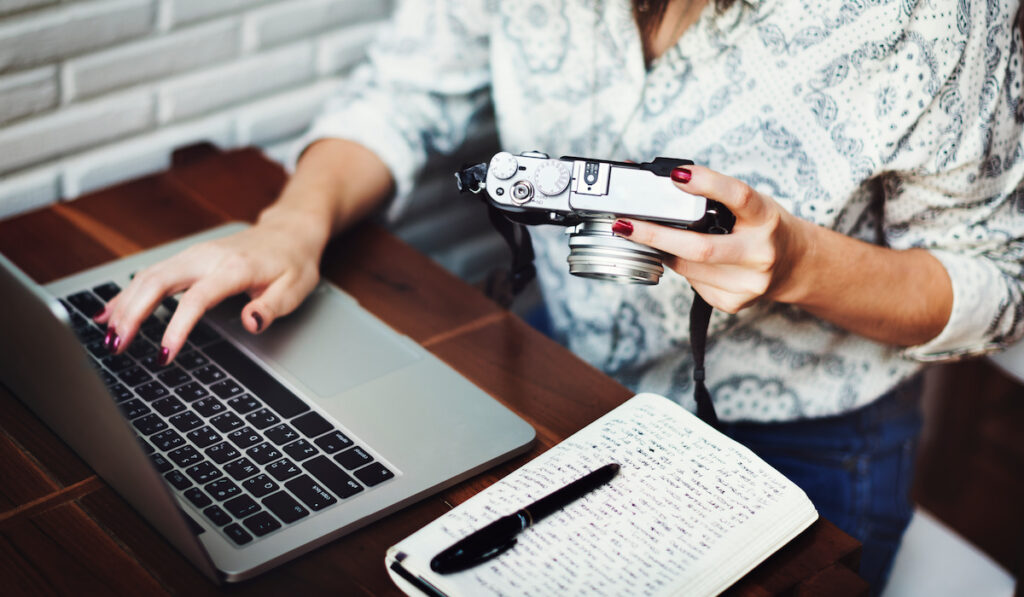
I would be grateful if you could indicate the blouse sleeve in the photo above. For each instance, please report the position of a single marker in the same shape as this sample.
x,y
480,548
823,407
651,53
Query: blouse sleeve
x,y
422,86
956,165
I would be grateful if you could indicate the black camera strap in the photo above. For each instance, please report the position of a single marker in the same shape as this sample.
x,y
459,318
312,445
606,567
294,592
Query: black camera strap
x,y
700,319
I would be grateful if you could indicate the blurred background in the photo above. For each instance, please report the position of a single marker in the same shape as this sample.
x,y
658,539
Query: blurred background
x,y
96,92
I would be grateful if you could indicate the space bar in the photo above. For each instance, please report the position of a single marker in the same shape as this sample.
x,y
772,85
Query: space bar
x,y
257,380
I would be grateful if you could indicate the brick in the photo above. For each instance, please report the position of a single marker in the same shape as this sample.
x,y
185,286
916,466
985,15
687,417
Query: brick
x,y
337,52
180,12
151,59
282,116
48,36
12,6
29,190
73,129
140,155
299,19
240,81
27,93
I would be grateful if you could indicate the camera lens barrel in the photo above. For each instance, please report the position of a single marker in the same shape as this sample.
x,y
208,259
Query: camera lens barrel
x,y
595,252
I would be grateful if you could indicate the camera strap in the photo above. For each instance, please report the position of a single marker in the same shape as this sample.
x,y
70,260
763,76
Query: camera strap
x,y
700,319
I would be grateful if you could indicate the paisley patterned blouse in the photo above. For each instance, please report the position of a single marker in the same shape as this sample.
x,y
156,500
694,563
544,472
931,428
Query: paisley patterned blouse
x,y
894,121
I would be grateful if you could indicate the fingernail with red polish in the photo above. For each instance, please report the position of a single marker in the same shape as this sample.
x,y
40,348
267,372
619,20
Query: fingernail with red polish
x,y
115,344
164,353
258,319
622,228
108,340
681,175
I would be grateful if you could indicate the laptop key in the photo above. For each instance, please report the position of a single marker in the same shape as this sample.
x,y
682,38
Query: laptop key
x,y
209,407
222,452
312,424
167,440
149,424
118,362
191,391
209,374
107,291
161,464
152,362
217,516
168,406
174,377
120,392
300,450
281,434
191,360
153,390
285,507
242,506
333,477
204,472
276,396
312,493
108,379
134,376
197,497
222,489
243,468
141,348
262,418
226,422
261,524
204,436
226,389
178,480
244,404
353,458
185,456
134,408
86,302
283,469
244,437
237,534
96,348
373,474
260,485
263,453
332,442
186,421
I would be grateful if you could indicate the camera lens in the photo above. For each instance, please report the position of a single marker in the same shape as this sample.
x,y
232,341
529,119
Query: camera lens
x,y
594,252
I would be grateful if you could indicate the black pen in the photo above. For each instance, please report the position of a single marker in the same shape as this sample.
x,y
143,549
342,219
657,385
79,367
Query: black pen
x,y
499,536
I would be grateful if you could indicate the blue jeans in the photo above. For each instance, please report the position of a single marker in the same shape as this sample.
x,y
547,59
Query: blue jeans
x,y
856,468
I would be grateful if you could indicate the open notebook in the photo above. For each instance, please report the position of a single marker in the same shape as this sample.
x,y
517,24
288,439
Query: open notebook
x,y
690,512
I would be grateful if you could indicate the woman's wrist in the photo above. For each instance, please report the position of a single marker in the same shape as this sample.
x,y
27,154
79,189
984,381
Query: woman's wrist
x,y
301,223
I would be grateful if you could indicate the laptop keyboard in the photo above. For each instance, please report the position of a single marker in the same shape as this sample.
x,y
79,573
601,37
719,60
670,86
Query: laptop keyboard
x,y
246,453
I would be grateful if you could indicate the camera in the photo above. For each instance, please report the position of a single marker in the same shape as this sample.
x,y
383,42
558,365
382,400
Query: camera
x,y
586,196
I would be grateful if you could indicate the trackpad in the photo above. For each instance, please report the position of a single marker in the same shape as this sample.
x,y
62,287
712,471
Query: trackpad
x,y
330,344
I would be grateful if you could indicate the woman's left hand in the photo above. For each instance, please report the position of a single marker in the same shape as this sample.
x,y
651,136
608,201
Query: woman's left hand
x,y
759,260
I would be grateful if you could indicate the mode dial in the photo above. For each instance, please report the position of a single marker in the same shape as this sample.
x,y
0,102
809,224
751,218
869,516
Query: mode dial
x,y
503,165
551,177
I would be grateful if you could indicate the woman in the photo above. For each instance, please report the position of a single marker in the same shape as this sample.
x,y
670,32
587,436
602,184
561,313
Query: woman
x,y
870,151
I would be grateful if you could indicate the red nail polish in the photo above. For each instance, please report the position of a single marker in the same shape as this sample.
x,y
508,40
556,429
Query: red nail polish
x,y
622,227
162,359
681,175
258,319
115,344
108,340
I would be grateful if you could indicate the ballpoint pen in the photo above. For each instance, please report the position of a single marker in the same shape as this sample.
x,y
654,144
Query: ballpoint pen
x,y
499,536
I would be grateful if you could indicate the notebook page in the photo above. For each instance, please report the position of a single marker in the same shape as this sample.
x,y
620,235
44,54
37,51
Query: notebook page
x,y
671,517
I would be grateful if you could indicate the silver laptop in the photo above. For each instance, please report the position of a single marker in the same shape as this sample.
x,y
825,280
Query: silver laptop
x,y
248,450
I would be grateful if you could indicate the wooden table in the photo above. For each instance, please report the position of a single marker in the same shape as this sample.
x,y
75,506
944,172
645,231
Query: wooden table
x,y
63,530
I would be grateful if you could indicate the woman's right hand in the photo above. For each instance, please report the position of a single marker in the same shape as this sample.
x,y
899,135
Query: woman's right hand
x,y
276,262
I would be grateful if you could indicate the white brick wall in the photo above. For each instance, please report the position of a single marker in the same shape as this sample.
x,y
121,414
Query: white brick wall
x,y
93,92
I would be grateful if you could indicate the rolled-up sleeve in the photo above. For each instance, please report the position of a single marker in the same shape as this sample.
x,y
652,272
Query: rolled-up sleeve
x,y
963,199
421,89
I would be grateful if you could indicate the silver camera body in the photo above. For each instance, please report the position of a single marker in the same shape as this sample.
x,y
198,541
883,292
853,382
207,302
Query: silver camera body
x,y
587,196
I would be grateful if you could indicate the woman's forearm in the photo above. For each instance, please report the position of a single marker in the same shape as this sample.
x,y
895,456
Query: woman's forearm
x,y
900,297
